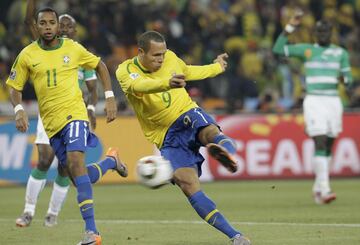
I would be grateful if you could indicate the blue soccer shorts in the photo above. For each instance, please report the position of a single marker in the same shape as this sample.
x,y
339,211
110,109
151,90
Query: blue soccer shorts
x,y
75,136
181,145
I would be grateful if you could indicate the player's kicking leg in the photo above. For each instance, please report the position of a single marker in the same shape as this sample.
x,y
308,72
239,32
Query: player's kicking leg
x,y
219,146
186,162
222,155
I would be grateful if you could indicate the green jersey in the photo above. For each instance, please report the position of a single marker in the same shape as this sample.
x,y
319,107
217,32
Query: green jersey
x,y
323,65
85,75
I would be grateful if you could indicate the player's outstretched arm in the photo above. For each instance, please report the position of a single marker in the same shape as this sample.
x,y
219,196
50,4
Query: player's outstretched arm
x,y
200,72
110,103
92,101
21,118
30,18
290,27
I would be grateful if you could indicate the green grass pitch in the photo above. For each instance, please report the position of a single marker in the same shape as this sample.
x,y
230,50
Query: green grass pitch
x,y
269,212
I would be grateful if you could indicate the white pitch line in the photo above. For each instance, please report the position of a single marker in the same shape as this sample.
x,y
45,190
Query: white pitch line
x,y
194,222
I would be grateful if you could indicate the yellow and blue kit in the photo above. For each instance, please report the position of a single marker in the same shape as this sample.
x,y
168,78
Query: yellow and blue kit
x,y
54,72
171,120
155,104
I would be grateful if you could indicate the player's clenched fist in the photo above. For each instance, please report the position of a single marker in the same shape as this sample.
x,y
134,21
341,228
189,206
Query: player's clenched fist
x,y
177,81
110,109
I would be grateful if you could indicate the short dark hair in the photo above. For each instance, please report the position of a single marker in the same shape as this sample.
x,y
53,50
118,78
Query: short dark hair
x,y
46,9
72,19
146,37
324,25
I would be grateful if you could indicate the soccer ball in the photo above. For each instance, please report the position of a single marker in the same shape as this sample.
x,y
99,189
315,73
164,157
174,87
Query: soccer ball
x,y
154,171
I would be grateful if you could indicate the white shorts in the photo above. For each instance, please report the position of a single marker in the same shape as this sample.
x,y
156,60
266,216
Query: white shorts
x,y
323,115
41,136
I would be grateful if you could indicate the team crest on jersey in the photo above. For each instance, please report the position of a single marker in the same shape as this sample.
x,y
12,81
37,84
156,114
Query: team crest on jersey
x,y
133,76
66,59
12,75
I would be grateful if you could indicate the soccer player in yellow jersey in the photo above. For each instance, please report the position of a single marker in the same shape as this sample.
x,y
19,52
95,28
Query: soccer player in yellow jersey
x,y
37,178
52,64
154,82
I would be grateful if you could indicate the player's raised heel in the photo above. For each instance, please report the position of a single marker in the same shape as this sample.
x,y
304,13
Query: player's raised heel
x,y
24,220
324,198
223,156
90,238
50,220
121,168
240,240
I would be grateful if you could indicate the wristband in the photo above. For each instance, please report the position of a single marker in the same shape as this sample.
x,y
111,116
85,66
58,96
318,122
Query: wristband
x,y
18,107
91,108
290,28
109,94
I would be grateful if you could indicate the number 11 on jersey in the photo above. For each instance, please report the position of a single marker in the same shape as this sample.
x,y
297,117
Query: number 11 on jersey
x,y
49,78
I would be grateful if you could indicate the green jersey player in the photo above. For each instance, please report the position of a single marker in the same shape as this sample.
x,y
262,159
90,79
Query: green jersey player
x,y
324,63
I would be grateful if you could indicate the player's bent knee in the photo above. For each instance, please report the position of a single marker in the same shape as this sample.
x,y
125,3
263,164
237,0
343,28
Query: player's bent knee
x,y
207,134
46,156
44,164
45,161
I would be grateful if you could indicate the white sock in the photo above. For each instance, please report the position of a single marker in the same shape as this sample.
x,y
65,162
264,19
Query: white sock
x,y
33,189
329,158
321,169
57,198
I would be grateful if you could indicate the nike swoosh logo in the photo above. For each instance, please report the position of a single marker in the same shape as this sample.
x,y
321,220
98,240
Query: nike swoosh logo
x,y
72,141
89,243
35,64
84,209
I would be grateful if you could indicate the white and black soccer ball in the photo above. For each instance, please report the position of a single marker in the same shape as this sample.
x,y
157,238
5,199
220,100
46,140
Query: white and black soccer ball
x,y
154,171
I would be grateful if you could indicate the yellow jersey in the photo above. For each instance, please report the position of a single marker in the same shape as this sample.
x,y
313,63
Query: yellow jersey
x,y
54,73
155,104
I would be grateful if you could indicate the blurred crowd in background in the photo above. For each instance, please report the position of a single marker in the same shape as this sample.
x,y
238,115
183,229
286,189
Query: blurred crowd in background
x,y
199,30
